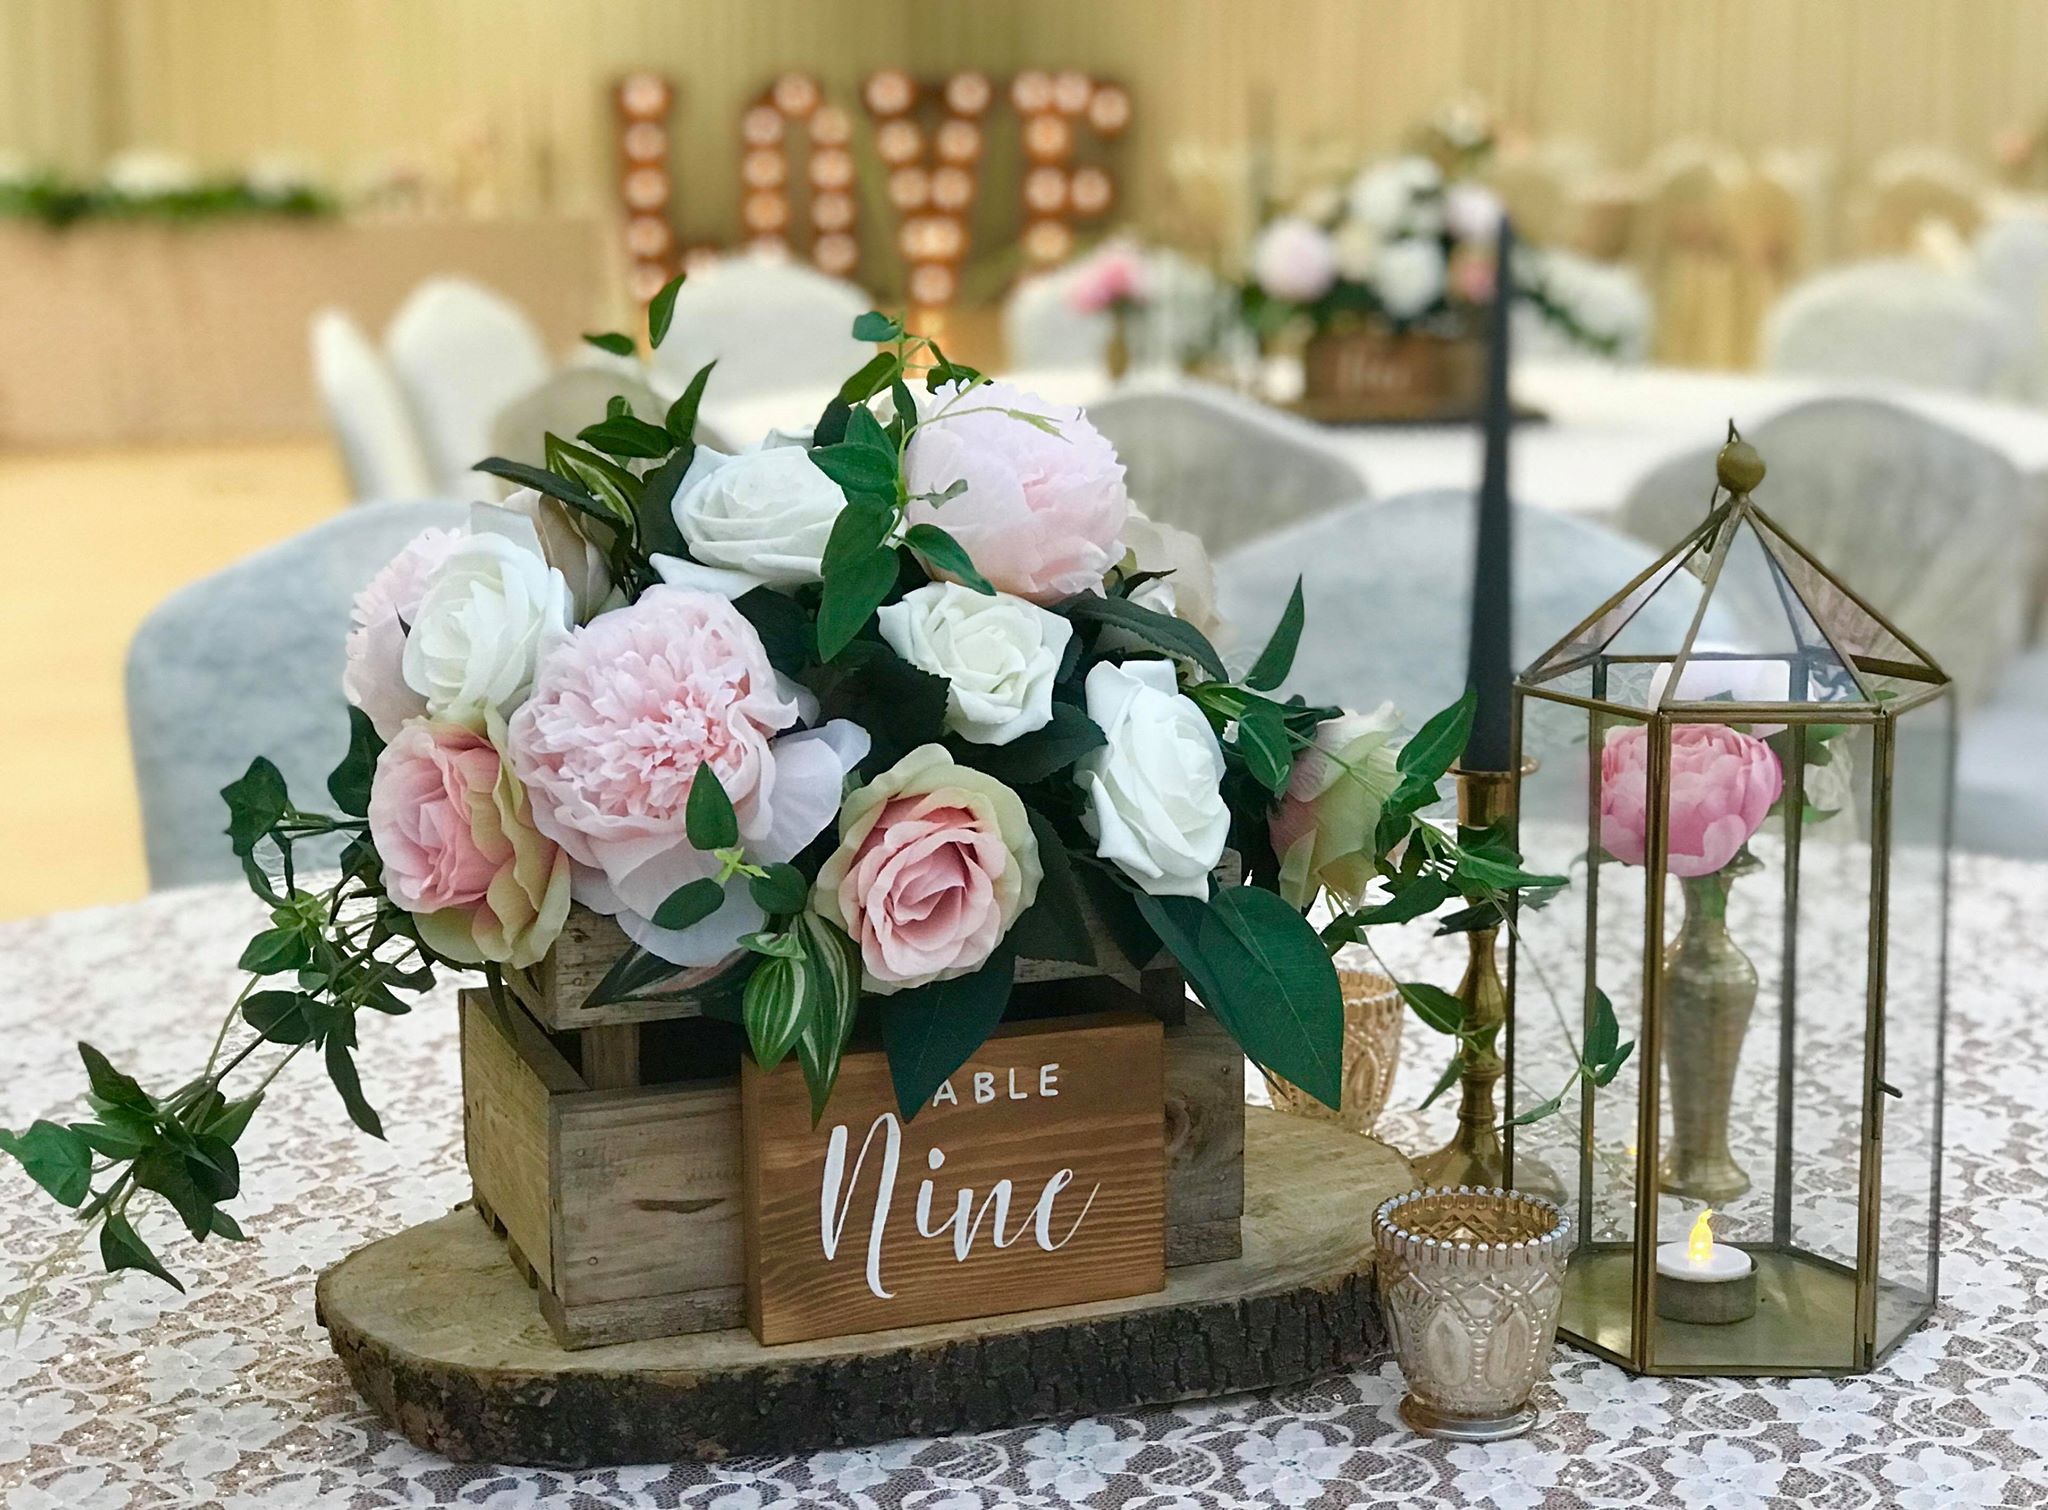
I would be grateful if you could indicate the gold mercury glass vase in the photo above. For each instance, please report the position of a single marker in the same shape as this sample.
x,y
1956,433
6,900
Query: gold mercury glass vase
x,y
1709,993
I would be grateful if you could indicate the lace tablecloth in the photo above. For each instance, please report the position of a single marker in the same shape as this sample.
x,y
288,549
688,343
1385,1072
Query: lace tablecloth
x,y
119,1392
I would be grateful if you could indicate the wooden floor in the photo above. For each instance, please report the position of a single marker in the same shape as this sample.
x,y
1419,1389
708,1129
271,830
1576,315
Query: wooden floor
x,y
94,540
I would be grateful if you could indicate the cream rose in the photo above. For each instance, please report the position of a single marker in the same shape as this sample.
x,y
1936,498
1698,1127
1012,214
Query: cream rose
x,y
999,655
564,546
765,514
1189,592
935,861
1325,826
1155,801
493,605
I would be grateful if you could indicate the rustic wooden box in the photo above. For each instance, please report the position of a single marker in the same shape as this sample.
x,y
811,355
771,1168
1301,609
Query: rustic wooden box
x,y
622,1200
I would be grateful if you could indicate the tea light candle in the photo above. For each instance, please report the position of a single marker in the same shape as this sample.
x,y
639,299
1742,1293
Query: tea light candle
x,y
1705,1282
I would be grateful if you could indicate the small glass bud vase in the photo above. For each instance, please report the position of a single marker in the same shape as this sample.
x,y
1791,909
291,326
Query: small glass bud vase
x,y
1470,1281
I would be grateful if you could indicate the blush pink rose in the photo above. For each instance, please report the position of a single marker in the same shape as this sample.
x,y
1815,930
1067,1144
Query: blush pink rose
x,y
1114,276
454,831
935,862
624,712
1722,785
374,678
1294,260
1042,514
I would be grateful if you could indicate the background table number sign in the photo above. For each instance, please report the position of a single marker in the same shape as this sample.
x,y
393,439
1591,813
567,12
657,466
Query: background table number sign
x,y
1036,1173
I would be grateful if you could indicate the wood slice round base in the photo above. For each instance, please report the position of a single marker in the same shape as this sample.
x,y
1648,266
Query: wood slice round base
x,y
445,1340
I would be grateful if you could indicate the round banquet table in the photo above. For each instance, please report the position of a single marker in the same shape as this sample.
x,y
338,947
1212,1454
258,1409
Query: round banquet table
x,y
120,1392
1605,426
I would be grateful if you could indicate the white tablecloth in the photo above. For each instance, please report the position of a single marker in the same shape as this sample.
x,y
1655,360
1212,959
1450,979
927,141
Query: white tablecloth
x,y
1606,426
119,1392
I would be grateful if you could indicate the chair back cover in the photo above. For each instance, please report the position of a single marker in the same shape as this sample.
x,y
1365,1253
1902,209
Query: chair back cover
x,y
1389,594
1936,530
1221,466
769,324
1894,321
2012,262
373,428
461,353
564,403
248,662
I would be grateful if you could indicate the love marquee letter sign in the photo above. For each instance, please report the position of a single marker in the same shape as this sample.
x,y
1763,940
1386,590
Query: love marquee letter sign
x,y
1035,1176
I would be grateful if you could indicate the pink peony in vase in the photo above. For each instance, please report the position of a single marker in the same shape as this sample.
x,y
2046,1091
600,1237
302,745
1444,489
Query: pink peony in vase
x,y
1723,783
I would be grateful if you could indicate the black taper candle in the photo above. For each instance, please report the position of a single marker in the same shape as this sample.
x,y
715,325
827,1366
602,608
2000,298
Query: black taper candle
x,y
1490,671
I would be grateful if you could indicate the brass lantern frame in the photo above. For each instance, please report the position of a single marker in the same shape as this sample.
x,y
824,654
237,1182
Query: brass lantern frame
x,y
1889,676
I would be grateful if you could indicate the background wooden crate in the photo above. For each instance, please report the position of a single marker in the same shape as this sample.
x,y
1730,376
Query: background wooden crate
x,y
623,1204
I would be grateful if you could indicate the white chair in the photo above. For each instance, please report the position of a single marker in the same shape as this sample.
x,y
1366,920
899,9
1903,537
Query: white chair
x,y
461,353
769,324
565,403
1606,299
2012,263
1041,328
1893,322
248,662
374,430
1934,529
1184,314
1221,466
1389,593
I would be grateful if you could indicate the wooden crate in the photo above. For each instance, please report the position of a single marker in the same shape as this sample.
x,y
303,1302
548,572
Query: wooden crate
x,y
623,1200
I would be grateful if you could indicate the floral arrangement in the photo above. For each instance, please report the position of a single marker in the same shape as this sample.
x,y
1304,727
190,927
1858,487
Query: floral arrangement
x,y
1112,279
1405,246
159,186
837,729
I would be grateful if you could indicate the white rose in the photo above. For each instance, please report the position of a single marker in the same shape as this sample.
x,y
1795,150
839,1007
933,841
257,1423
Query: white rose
x,y
1155,800
1357,244
1398,197
1408,276
492,607
565,547
764,514
1189,590
999,655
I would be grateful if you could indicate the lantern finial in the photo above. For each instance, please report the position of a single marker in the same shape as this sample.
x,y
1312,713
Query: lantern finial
x,y
1739,468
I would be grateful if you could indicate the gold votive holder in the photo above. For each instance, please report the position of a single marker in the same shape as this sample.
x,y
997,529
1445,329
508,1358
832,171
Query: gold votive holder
x,y
1373,1011
1470,1279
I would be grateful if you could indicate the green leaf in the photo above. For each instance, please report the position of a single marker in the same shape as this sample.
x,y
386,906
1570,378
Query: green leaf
x,y
1500,874
553,484
616,342
121,1247
862,528
654,519
828,1027
929,1032
944,554
1277,659
1470,919
227,1227
1043,752
859,470
876,326
165,1170
1537,1112
774,945
57,1158
1262,741
852,594
232,1119
900,706
627,435
122,1139
874,375
708,817
255,803
1054,926
1437,1007
109,1084
863,429
1161,631
1605,1074
1453,1072
349,783
281,1016
777,1005
1417,898
781,891
636,975
341,1069
1439,742
682,414
274,951
689,903
610,486
661,309
1605,1034
782,624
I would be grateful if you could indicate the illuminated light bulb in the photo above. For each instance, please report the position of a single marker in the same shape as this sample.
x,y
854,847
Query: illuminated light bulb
x,y
952,188
1109,112
1045,190
899,142
648,236
796,94
1070,92
647,279
1699,1243
1048,241
889,92
762,126
1092,190
968,93
959,141
644,95
909,188
644,142
832,212
763,168
831,168
645,189
933,283
836,253
1048,138
765,212
1031,91
831,126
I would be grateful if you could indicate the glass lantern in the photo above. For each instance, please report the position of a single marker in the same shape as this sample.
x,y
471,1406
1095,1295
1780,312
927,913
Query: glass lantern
x,y
1745,775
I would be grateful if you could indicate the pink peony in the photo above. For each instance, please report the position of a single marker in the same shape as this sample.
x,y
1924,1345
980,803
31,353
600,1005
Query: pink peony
x,y
935,862
374,679
1113,277
623,714
1294,260
454,831
1043,514
1722,785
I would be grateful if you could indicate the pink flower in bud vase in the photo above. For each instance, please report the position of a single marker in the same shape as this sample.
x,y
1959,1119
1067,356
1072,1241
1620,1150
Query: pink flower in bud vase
x,y
455,834
1722,785
373,678
1472,275
1114,277
1043,511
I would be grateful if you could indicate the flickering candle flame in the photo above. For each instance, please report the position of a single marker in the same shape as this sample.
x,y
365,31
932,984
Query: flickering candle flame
x,y
1699,1243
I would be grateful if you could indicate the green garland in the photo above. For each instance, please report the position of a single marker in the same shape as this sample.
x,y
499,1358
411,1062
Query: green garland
x,y
58,202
